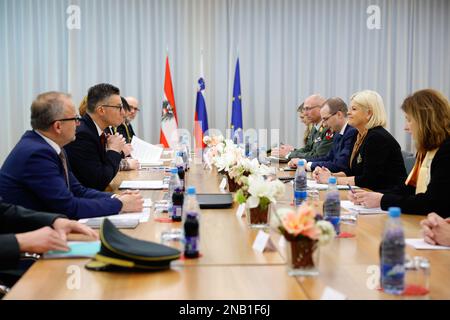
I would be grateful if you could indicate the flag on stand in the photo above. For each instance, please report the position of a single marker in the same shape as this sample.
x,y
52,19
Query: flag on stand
x,y
169,120
236,112
201,116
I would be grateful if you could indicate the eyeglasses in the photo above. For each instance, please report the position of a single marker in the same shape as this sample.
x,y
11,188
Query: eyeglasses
x,y
77,119
327,118
306,109
134,109
120,106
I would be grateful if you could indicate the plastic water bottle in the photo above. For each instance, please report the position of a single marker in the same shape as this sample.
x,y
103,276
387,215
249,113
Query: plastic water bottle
x,y
300,182
181,166
332,205
392,262
185,151
299,197
174,183
177,205
191,212
262,156
247,146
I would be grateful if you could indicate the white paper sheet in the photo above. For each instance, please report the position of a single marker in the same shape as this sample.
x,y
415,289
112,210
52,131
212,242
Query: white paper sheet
x,y
143,184
420,244
146,153
360,209
141,216
323,186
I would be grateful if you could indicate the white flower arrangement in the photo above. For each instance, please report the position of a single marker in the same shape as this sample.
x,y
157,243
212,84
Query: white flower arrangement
x,y
262,192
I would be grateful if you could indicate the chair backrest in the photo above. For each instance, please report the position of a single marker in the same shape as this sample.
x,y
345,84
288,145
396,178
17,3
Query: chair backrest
x,y
409,160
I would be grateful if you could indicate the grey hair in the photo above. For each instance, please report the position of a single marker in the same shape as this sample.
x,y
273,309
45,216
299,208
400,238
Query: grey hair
x,y
46,108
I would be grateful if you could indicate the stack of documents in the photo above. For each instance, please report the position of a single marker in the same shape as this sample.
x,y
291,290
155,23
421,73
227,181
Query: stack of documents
x,y
146,153
143,184
78,249
360,209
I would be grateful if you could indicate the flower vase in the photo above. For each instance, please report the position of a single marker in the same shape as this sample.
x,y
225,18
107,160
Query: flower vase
x,y
258,218
302,256
232,185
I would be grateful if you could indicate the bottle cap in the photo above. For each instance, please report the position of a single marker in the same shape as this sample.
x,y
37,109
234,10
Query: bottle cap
x,y
394,212
173,170
191,190
332,180
301,163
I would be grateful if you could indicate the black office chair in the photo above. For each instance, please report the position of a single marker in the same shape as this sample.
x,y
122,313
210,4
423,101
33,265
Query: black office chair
x,y
9,277
409,159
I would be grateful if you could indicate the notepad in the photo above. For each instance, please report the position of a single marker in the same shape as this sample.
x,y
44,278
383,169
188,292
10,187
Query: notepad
x,y
143,184
122,221
420,244
346,204
146,153
78,249
312,184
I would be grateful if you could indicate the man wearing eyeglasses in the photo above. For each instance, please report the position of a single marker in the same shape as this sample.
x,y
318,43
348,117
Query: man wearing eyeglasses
x,y
36,174
126,129
95,157
319,141
334,117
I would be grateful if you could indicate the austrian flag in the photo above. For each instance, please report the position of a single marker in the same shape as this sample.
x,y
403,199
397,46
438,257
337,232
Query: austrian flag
x,y
169,120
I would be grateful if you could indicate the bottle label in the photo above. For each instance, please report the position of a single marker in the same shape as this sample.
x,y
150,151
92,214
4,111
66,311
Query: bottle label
x,y
177,212
191,245
335,221
393,273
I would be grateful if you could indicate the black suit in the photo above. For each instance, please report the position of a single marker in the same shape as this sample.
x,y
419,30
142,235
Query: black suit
x,y
378,164
126,130
16,219
435,198
93,166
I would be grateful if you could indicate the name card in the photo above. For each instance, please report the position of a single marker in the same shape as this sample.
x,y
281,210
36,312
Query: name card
x,y
223,184
332,294
263,242
282,242
240,211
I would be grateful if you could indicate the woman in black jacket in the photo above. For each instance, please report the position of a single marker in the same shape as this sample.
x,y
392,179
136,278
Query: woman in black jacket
x,y
427,114
376,161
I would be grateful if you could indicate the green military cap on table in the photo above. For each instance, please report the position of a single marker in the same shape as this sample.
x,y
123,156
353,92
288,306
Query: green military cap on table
x,y
121,252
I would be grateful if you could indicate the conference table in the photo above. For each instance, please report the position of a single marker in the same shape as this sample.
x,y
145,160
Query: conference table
x,y
229,268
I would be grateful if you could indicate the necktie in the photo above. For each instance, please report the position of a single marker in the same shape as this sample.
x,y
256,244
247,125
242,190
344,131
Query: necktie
x,y
103,140
63,158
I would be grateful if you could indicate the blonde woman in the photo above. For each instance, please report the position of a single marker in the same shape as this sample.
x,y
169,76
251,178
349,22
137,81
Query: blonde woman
x,y
376,160
83,106
427,114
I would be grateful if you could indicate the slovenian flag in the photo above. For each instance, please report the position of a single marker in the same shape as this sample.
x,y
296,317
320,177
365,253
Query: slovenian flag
x,y
236,113
169,120
201,116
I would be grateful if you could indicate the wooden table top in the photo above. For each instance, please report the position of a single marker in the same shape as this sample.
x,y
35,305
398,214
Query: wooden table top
x,y
229,268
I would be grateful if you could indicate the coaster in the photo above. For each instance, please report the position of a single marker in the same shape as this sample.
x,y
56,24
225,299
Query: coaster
x,y
346,235
164,220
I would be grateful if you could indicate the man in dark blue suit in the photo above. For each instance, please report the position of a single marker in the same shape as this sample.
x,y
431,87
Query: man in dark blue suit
x,y
334,116
94,156
36,175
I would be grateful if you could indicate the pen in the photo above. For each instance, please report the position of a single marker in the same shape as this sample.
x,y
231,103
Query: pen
x,y
350,188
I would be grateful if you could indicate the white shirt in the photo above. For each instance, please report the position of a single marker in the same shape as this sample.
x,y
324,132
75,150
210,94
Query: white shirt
x,y
343,129
99,131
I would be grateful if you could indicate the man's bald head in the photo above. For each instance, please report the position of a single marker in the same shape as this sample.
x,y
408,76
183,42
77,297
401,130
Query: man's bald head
x,y
134,107
312,107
